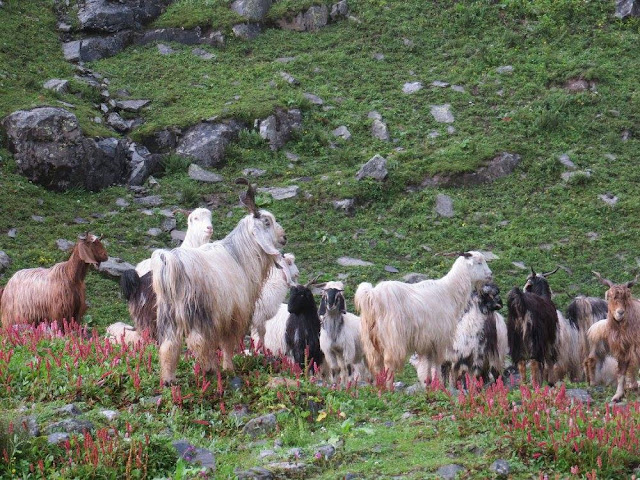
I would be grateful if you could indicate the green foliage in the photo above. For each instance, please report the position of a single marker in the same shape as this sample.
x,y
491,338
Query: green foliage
x,y
531,216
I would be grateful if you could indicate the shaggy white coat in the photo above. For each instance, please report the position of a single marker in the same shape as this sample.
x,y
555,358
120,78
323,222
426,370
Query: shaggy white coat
x,y
208,294
273,294
400,318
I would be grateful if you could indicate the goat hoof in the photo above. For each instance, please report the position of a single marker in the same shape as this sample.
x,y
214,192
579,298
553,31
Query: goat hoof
x,y
169,383
617,398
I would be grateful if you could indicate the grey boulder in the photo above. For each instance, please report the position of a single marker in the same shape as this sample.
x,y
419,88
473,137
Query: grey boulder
x,y
205,143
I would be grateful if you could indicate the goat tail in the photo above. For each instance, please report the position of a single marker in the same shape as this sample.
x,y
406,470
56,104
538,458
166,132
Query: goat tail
x,y
129,284
364,303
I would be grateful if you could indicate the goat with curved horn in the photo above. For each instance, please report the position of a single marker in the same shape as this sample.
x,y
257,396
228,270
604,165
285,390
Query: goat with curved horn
x,y
548,274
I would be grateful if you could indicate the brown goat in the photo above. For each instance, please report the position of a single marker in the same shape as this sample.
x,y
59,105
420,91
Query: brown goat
x,y
623,328
57,293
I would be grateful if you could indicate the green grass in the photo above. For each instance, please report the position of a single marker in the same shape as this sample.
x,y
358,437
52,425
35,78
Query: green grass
x,y
531,216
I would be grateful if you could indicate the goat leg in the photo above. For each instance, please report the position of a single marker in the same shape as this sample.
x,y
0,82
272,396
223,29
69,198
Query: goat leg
x,y
622,374
522,368
169,354
536,373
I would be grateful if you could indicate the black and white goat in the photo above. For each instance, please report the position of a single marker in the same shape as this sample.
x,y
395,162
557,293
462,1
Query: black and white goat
x,y
480,344
302,333
340,336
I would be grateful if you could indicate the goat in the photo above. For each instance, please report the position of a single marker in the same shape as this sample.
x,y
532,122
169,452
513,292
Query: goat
x,y
622,328
275,327
302,333
340,336
532,330
480,345
208,294
199,231
136,285
584,312
600,367
568,362
57,293
400,318
271,297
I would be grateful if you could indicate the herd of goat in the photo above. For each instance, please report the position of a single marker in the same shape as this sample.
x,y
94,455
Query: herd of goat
x,y
211,294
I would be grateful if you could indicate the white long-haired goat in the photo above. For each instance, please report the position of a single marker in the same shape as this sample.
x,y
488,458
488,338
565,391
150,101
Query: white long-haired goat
x,y
271,297
340,336
208,294
400,318
199,231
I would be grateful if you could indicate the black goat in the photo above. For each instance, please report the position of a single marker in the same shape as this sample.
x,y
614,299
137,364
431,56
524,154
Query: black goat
x,y
302,334
138,291
532,327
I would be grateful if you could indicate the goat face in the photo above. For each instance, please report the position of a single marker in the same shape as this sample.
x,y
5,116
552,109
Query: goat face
x,y
300,299
618,298
289,265
537,283
332,300
268,233
200,222
490,300
91,250
479,271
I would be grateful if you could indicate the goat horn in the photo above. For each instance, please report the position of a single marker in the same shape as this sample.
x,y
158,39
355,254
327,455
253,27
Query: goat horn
x,y
453,254
604,281
633,282
545,275
533,272
312,281
248,198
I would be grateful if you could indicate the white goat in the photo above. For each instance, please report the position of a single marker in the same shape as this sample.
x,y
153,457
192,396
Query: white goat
x,y
208,294
199,231
480,345
275,329
400,318
273,294
340,336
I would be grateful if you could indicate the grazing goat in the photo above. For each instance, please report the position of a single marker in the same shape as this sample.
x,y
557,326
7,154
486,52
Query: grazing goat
x,y
52,294
480,345
340,336
400,318
207,294
137,288
199,231
569,361
302,333
583,312
273,293
622,328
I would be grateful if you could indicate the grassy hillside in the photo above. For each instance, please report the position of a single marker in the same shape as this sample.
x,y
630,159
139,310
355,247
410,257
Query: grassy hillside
x,y
357,65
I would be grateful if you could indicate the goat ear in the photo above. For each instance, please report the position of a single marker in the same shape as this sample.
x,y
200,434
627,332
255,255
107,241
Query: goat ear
x,y
466,254
85,252
322,310
248,198
341,304
548,274
604,281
